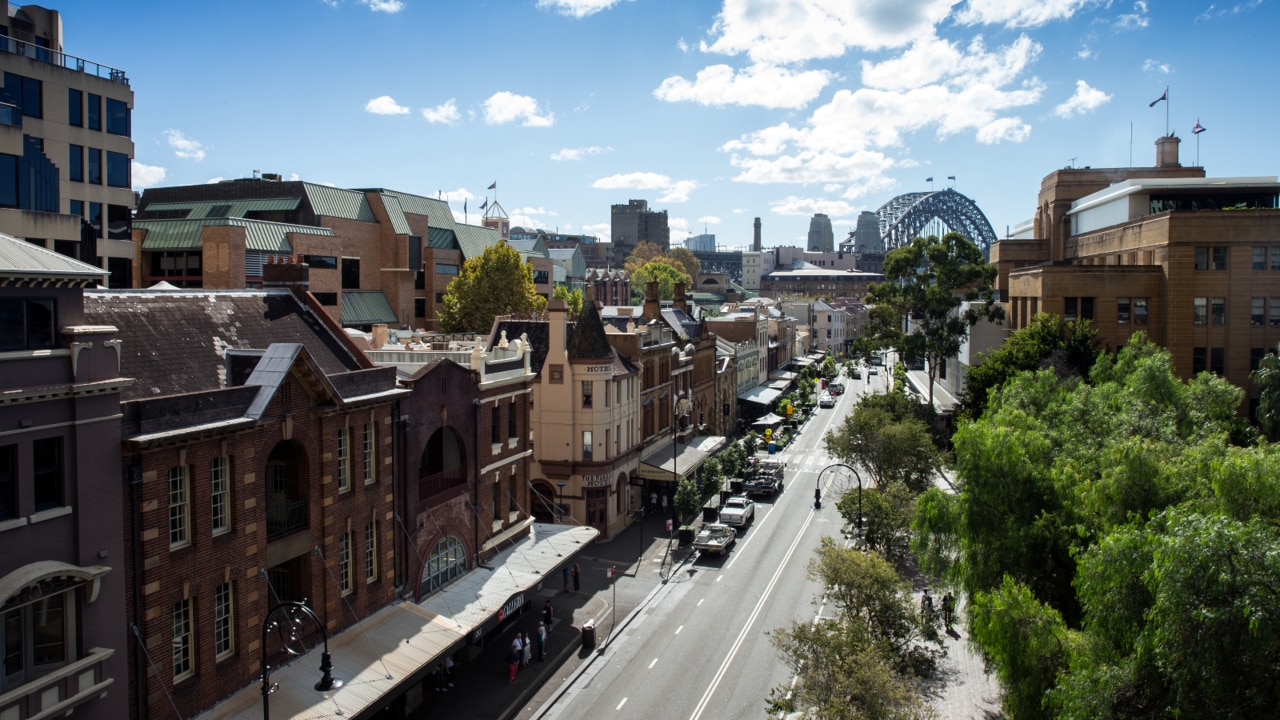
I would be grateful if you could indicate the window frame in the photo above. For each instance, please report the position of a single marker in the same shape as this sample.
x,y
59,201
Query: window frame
x,y
370,453
1218,311
371,552
184,641
9,482
587,451
1124,310
345,585
179,507
75,162
224,626
1200,311
220,494
343,456
48,474
75,107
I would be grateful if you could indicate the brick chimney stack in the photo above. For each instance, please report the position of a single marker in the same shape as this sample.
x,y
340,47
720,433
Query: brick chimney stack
x,y
755,245
290,273
652,307
680,301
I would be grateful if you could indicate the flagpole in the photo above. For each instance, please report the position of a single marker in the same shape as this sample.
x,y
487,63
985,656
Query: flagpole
x,y
1197,143
1166,111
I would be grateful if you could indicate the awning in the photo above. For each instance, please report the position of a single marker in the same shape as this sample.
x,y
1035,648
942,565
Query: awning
x,y
782,375
663,462
406,640
770,420
761,395
944,403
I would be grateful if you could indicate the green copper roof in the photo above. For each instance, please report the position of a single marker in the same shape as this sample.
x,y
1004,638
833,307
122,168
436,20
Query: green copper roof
x,y
336,202
399,223
366,307
229,208
187,234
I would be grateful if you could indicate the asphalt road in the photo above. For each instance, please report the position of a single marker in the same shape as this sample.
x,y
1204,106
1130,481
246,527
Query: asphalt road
x,y
699,648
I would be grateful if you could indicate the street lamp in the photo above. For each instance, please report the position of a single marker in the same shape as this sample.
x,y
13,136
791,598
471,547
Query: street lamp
x,y
286,620
560,502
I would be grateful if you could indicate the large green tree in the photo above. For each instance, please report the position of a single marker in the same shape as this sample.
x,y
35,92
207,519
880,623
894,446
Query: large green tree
x,y
1267,377
666,274
886,436
572,298
943,287
498,282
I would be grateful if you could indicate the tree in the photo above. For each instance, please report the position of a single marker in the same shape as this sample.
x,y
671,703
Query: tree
x,y
888,512
572,298
644,252
867,660
499,282
891,445
929,283
1267,377
664,273
1048,341
687,499
688,262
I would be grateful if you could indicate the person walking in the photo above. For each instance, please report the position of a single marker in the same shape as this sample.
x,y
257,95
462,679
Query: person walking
x,y
528,650
653,502
948,609
664,504
442,682
517,647
548,614
541,639
577,580
448,670
513,665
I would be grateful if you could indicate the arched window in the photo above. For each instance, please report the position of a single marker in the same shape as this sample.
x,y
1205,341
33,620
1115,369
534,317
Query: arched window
x,y
446,563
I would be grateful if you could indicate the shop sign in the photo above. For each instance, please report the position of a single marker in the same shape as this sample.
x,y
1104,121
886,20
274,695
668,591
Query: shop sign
x,y
596,480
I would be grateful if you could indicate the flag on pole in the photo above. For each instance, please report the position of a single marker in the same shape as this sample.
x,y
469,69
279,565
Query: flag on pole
x,y
494,186
1197,128
485,204
928,179
951,177
464,206
1164,96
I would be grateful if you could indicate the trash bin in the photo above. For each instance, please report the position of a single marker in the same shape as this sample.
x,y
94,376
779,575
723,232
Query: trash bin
x,y
588,634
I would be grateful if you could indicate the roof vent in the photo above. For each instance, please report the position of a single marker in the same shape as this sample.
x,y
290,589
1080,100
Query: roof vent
x,y
271,177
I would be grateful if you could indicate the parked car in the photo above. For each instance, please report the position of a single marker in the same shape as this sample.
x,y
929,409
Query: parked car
x,y
826,401
715,539
836,388
737,511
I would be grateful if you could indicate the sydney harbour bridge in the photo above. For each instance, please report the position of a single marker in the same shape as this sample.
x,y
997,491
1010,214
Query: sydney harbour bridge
x,y
908,215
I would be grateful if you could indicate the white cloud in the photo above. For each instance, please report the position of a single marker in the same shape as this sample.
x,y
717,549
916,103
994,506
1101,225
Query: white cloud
x,y
1011,129
293,177
1018,13
806,207
183,146
577,8
446,113
599,229
787,31
673,191
386,6
533,211
1086,99
385,105
566,154
760,85
709,220
145,176
1216,12
214,180
504,107
678,225
1085,53
1134,20
1156,66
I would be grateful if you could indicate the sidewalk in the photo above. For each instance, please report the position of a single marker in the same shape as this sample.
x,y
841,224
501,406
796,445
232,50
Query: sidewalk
x,y
480,687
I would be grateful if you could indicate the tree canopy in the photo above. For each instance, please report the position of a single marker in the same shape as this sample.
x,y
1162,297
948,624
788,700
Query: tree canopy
x,y
666,274
887,435
1118,550
930,281
572,298
1267,377
499,282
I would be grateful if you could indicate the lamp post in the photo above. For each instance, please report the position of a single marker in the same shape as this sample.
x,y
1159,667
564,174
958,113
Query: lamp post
x,y
560,501
286,620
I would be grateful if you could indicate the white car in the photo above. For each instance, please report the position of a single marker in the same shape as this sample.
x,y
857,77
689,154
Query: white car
x,y
737,511
826,401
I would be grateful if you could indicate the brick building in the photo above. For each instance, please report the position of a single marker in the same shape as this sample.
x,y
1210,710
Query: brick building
x,y
634,223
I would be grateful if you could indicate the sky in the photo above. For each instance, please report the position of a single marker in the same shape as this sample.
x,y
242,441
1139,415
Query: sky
x,y
717,112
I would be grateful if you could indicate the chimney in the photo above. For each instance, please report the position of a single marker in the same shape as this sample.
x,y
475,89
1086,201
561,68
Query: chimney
x,y
1167,151
652,307
755,246
286,274
679,301
379,335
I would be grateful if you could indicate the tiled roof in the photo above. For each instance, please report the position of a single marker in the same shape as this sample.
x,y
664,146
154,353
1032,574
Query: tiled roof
x,y
366,307
539,332
588,341
178,342
187,234
21,260
336,202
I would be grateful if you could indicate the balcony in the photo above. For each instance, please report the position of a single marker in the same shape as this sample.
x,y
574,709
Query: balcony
x,y
14,46
439,482
61,691
285,517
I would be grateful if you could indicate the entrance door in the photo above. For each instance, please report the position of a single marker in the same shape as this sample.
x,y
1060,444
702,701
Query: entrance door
x,y
598,509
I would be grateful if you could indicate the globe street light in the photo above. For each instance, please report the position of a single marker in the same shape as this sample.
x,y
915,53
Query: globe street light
x,y
286,620
560,502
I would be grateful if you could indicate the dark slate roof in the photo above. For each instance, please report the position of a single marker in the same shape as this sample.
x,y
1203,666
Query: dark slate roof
x,y
683,325
539,332
588,341
177,342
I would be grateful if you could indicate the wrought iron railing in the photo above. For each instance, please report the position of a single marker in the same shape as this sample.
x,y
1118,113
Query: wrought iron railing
x,y
285,517
439,482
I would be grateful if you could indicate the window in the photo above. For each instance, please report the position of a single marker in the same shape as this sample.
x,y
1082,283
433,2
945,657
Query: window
x,y
420,307
447,562
586,444
370,552
350,273
344,459
1258,312
8,482
183,642
446,269
344,562
494,491
47,464
224,628
1198,356
1070,309
75,108
321,262
120,223
1275,257
493,425
586,393
75,163
327,299
512,505
38,638
27,92
1219,310
117,117
1273,319
95,166
1122,310
95,218
220,500
511,420
1255,357
1216,356
179,507
8,180
1202,258
27,324
117,169
95,112
370,454
1218,258
1086,308
1259,258
1200,309
76,207
439,298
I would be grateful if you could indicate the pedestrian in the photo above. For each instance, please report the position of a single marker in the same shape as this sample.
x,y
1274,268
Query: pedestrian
x,y
513,665
577,580
565,573
528,650
541,639
441,679
664,503
517,647
548,614
948,609
653,502
926,604
448,669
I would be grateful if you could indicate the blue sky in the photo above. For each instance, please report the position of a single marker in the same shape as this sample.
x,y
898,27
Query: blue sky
x,y
717,112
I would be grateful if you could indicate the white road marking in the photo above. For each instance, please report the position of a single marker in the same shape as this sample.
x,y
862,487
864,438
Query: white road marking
x,y
624,702
679,629
655,662
719,577
700,602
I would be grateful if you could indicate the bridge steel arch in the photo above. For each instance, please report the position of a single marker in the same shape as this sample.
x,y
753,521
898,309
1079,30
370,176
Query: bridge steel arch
x,y
903,217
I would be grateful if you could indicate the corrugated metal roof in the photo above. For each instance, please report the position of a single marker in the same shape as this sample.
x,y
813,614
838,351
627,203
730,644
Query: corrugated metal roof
x,y
187,234
366,307
336,202
23,259
473,240
441,239
394,209
437,211
233,208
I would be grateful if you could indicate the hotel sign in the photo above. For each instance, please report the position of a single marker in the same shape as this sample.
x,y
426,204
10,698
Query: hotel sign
x,y
597,369
596,480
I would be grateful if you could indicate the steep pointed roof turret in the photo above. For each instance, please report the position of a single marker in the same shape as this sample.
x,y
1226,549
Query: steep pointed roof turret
x,y
588,341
